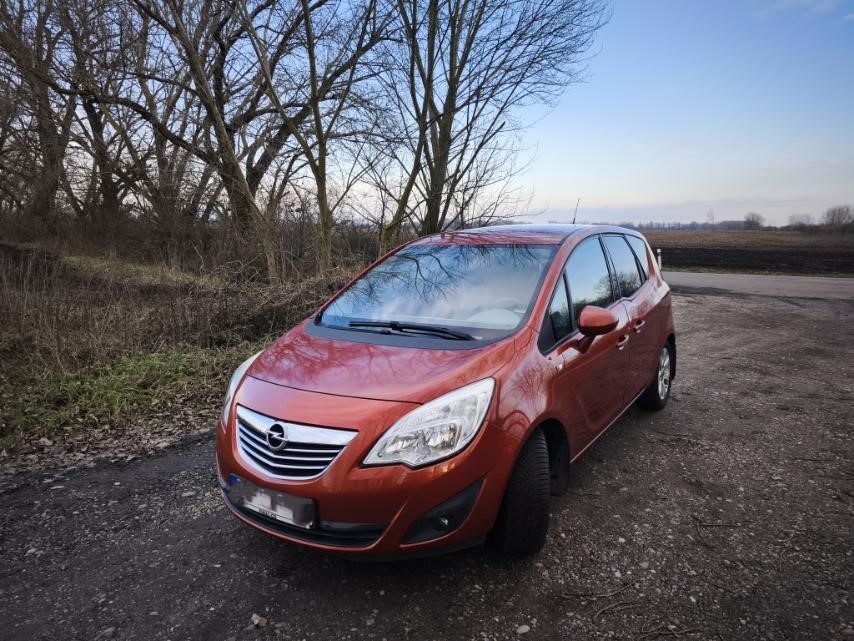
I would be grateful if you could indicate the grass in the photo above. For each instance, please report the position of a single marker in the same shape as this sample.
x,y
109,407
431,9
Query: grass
x,y
93,342
124,271
39,404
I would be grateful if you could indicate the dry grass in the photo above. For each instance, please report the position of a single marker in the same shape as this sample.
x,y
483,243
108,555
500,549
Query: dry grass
x,y
124,271
88,340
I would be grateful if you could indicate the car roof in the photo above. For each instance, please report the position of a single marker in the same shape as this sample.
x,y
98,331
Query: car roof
x,y
551,234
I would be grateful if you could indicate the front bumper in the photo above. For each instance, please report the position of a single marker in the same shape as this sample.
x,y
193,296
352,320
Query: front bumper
x,y
385,511
436,524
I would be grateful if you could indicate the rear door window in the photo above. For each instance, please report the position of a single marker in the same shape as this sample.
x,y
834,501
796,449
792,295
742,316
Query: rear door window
x,y
588,277
625,265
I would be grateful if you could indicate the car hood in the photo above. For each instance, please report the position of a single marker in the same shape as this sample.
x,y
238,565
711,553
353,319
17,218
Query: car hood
x,y
382,372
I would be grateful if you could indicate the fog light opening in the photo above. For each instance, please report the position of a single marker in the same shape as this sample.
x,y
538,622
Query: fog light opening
x,y
444,518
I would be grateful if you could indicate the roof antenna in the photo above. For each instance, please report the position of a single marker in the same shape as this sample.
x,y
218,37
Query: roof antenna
x,y
576,210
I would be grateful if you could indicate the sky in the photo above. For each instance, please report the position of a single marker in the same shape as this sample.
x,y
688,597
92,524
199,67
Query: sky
x,y
703,110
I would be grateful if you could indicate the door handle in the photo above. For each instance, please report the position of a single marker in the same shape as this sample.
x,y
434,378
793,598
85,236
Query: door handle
x,y
622,341
639,326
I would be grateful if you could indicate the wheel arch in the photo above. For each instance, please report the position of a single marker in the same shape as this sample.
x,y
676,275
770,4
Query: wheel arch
x,y
671,338
560,453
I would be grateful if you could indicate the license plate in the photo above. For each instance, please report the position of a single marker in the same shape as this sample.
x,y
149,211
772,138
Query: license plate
x,y
279,506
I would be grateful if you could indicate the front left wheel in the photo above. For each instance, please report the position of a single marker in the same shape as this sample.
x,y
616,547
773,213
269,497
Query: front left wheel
x,y
523,520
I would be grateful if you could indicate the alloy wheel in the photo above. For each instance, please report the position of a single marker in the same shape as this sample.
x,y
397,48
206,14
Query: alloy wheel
x,y
664,373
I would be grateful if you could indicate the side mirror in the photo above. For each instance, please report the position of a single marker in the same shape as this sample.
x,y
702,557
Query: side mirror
x,y
595,321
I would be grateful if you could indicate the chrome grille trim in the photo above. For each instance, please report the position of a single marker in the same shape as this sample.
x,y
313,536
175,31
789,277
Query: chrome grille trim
x,y
253,440
257,453
309,450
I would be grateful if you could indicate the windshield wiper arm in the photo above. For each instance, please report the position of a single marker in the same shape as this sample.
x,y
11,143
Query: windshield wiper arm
x,y
415,327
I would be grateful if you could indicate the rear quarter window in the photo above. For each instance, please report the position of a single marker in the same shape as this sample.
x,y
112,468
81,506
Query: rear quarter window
x,y
639,248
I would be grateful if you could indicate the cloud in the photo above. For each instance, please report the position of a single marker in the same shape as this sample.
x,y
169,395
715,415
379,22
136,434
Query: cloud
x,y
823,7
820,166
802,6
848,18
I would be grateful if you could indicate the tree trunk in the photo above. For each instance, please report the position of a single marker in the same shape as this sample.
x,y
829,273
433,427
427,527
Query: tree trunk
x,y
433,218
243,204
53,140
325,245
107,210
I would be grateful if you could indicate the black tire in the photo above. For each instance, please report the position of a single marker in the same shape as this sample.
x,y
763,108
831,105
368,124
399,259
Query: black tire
x,y
523,520
656,395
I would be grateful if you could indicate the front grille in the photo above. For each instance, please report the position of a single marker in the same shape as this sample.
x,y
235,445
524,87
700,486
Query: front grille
x,y
295,460
309,450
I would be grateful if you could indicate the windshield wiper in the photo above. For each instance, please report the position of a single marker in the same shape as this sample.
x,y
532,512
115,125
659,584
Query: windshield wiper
x,y
420,328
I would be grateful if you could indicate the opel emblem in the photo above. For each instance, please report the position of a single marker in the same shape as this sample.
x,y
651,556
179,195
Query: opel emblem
x,y
277,437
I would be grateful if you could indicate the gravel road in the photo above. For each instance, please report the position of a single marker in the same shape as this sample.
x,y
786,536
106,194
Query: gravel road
x,y
727,516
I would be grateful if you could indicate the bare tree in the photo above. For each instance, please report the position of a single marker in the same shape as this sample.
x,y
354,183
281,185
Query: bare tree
x,y
18,144
461,70
91,64
335,39
252,119
30,37
243,64
199,37
753,220
174,175
838,216
800,220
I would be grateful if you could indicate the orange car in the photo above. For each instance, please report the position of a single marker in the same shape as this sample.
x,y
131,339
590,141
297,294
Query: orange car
x,y
440,397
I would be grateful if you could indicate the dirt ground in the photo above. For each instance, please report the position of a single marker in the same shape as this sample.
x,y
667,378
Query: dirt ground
x,y
726,516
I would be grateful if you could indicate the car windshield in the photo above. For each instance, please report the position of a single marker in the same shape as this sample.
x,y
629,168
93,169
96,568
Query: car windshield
x,y
476,291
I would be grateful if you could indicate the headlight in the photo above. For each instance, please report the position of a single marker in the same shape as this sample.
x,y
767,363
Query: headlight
x,y
435,430
238,375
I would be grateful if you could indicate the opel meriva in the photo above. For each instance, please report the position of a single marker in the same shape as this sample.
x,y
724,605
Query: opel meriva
x,y
440,397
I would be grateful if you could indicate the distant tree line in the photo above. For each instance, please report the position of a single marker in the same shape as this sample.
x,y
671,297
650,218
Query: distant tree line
x,y
256,129
834,219
722,225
